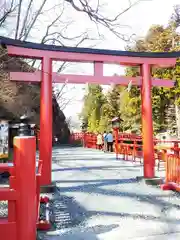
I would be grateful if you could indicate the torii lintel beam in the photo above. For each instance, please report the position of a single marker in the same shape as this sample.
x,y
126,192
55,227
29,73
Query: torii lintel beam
x,y
39,51
81,79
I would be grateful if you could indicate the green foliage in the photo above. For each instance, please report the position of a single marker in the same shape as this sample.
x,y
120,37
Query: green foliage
x,y
93,102
100,108
161,39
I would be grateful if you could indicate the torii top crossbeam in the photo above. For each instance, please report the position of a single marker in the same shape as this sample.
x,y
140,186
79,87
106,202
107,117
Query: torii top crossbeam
x,y
97,56
38,51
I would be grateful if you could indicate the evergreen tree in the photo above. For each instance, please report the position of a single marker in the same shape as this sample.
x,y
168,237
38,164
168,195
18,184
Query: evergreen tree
x,y
162,39
93,102
99,109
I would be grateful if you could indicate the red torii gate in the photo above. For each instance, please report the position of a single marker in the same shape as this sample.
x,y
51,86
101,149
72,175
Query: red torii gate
x,y
48,53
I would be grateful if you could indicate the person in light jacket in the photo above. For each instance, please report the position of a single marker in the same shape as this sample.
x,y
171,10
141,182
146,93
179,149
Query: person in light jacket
x,y
99,141
109,142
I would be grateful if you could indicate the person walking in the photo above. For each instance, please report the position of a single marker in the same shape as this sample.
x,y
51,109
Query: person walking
x,y
109,142
105,141
99,141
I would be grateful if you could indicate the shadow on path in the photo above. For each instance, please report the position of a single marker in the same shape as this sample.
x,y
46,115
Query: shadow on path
x,y
84,168
68,213
99,182
95,186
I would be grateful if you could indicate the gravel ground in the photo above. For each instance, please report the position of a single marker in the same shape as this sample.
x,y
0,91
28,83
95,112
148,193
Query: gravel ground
x,y
3,204
98,198
3,209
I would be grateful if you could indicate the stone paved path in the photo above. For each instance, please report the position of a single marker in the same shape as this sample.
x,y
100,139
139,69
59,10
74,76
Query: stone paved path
x,y
100,199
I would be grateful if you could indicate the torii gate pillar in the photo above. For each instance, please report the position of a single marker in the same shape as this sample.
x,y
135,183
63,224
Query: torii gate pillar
x,y
45,148
147,122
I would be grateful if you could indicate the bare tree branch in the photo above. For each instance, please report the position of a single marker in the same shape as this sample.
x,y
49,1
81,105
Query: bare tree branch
x,y
96,16
34,19
60,95
83,39
6,11
24,24
176,15
64,104
18,18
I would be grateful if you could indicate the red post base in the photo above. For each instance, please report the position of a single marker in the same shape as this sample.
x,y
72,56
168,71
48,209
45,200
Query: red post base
x,y
44,225
170,187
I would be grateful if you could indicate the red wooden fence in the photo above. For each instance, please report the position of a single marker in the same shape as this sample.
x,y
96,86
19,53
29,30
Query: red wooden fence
x,y
133,151
23,193
172,180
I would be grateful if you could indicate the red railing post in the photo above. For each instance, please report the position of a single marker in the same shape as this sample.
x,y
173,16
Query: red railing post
x,y
25,167
172,181
176,149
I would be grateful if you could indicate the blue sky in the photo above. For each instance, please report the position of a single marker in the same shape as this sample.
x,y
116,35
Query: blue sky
x,y
139,19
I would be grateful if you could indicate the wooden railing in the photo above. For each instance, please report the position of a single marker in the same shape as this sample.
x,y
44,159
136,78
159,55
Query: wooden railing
x,y
21,221
172,179
23,193
130,148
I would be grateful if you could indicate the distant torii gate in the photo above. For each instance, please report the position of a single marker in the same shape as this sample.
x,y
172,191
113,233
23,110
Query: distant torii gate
x,y
48,53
